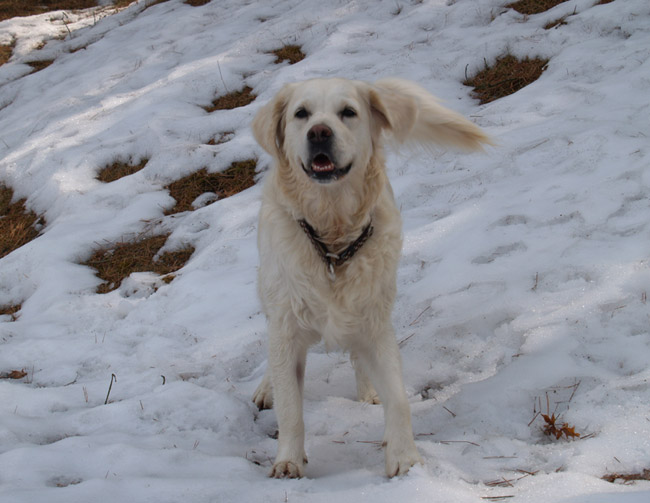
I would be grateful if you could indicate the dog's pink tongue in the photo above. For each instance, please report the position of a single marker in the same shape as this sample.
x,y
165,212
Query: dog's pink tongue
x,y
322,163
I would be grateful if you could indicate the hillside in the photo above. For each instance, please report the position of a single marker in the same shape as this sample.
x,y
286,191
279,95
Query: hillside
x,y
522,289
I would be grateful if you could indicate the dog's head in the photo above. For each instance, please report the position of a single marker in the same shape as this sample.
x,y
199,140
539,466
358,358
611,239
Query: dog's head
x,y
328,129
325,128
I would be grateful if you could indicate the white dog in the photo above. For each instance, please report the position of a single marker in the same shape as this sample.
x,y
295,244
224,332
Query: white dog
x,y
330,240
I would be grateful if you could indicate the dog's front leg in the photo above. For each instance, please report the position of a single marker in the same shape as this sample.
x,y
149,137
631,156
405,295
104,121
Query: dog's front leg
x,y
287,356
382,363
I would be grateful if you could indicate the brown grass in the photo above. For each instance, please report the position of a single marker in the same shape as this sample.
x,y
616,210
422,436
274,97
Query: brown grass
x,y
10,311
16,8
534,6
507,76
17,225
291,53
5,53
197,3
117,261
630,477
119,170
224,137
40,65
238,177
232,100
554,24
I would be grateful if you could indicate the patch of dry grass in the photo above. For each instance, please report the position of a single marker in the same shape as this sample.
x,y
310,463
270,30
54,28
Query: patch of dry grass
x,y
5,53
554,24
119,170
628,477
238,177
40,65
10,311
224,137
232,100
17,225
534,6
291,53
18,8
117,261
507,76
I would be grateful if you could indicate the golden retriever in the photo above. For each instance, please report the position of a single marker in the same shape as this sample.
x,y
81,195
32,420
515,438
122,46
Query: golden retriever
x,y
329,241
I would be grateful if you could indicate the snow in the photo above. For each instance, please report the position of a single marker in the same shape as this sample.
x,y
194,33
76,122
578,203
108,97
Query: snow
x,y
523,279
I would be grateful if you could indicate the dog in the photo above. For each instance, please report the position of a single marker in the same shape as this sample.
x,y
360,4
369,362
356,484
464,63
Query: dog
x,y
329,242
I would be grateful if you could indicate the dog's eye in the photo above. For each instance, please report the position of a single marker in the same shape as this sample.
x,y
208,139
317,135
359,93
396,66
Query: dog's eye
x,y
348,112
301,113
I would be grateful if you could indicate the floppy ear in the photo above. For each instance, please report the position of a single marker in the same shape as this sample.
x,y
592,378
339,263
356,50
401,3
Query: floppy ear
x,y
410,113
268,124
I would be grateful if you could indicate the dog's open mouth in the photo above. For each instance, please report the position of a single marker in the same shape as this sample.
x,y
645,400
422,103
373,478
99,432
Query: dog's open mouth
x,y
322,169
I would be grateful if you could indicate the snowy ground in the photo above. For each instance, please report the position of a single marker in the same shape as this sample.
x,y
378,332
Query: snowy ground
x,y
524,273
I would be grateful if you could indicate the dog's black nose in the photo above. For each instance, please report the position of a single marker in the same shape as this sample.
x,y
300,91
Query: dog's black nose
x,y
319,133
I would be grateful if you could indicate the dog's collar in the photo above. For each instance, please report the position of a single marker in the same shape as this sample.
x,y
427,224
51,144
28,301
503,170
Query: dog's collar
x,y
335,259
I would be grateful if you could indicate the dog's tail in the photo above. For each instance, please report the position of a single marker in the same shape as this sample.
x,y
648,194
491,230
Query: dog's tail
x,y
409,113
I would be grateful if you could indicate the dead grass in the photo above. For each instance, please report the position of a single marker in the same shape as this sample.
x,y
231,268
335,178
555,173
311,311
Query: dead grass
x,y
40,65
10,311
627,478
17,225
117,261
224,137
507,76
554,24
17,8
5,53
534,6
232,100
291,53
119,170
238,177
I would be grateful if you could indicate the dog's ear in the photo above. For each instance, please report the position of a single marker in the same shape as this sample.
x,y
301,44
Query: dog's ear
x,y
268,124
410,113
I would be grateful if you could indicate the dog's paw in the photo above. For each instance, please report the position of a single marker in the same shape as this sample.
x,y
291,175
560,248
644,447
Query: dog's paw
x,y
263,396
369,396
400,458
286,470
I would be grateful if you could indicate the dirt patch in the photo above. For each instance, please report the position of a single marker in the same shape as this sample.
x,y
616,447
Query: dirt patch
x,y
221,138
119,170
232,100
5,53
10,311
40,65
238,177
117,261
19,8
628,477
290,53
507,76
534,6
17,225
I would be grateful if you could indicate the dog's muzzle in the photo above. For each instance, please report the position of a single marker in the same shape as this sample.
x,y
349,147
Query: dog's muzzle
x,y
322,166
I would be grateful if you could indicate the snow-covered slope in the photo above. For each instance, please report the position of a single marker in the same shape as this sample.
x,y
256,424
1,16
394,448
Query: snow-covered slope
x,y
522,287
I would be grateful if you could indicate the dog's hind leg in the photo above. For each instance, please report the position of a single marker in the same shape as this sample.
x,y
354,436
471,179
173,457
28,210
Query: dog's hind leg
x,y
287,358
263,396
365,390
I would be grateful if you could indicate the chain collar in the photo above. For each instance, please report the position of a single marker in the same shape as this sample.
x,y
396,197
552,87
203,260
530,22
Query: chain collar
x,y
335,259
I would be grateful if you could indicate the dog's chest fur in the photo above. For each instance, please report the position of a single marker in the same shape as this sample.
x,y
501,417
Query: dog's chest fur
x,y
295,277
